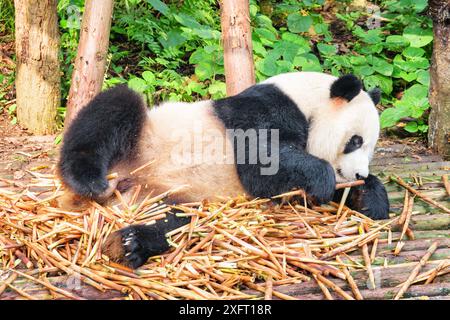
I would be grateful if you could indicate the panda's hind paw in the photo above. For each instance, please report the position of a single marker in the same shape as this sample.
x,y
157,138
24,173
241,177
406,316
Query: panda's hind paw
x,y
133,245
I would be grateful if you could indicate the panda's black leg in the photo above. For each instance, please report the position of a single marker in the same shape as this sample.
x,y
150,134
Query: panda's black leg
x,y
370,198
297,169
133,245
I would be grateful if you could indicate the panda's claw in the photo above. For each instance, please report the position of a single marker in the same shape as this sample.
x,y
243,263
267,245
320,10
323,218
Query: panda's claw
x,y
133,245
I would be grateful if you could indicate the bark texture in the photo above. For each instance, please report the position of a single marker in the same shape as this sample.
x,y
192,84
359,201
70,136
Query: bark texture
x,y
439,121
38,75
237,45
90,63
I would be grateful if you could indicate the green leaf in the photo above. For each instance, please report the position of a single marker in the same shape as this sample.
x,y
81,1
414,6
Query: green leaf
x,y
412,52
266,34
298,23
295,38
204,70
358,60
408,77
160,6
149,77
417,91
363,70
258,48
391,116
287,49
380,81
217,90
381,66
418,37
423,77
411,127
187,21
326,49
199,55
173,39
137,84
372,36
308,62
268,66
397,41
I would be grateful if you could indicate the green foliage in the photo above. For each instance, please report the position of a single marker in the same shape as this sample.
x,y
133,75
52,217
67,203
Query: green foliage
x,y
171,50
6,17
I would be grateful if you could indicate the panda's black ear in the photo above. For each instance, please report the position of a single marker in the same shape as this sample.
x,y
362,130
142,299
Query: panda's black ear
x,y
375,95
346,87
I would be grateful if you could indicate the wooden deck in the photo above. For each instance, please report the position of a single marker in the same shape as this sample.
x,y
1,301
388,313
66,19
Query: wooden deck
x,y
428,223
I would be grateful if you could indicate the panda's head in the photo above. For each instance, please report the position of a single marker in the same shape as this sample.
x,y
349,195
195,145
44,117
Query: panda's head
x,y
346,130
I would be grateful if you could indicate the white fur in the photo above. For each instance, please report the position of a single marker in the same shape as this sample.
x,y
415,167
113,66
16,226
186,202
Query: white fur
x,y
333,125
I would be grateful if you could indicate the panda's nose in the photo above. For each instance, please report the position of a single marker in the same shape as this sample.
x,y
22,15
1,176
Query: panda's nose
x,y
360,177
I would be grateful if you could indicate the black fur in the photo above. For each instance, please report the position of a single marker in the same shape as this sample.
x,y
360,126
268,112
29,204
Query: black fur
x,y
353,144
370,198
267,107
141,242
346,87
375,95
103,133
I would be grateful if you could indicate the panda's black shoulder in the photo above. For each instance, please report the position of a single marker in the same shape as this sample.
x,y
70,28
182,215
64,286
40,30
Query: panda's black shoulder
x,y
263,106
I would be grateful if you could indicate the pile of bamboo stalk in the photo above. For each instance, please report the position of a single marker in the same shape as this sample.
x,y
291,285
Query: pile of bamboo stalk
x,y
229,247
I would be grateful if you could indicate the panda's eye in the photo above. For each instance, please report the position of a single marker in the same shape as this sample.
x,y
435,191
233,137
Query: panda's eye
x,y
353,144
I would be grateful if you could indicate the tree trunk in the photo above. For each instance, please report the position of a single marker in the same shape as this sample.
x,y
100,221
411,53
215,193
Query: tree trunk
x,y
237,45
90,63
38,76
439,121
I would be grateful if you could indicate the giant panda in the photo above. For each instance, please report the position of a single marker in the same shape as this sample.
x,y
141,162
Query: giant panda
x,y
316,129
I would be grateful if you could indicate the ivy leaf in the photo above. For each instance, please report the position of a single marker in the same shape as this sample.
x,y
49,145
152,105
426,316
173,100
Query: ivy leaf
x,y
298,23
418,37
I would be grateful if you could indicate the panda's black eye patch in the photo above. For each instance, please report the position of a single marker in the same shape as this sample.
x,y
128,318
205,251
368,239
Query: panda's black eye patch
x,y
353,144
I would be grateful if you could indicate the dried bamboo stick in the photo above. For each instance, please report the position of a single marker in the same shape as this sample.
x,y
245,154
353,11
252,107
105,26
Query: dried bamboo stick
x,y
324,289
351,282
269,288
446,184
416,270
425,198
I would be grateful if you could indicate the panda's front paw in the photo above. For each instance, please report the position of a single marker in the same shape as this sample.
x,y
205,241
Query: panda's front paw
x,y
133,245
320,182
370,199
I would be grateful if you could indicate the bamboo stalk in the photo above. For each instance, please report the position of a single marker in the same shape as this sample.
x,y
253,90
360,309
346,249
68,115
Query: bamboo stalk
x,y
400,181
446,184
324,289
269,288
350,184
351,282
416,270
